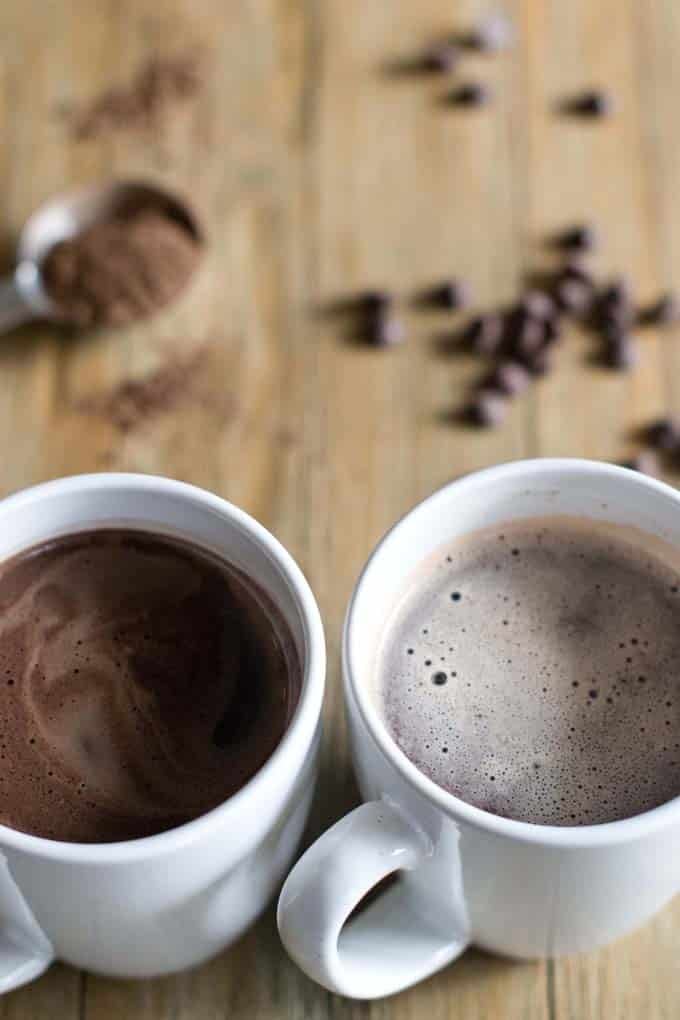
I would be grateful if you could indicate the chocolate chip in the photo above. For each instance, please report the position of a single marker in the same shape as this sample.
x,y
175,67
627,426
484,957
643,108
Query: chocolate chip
x,y
618,292
613,327
615,305
487,409
553,331
573,294
509,377
592,103
386,330
538,304
484,334
471,94
663,312
614,321
374,302
663,434
541,362
452,294
621,353
646,462
526,334
583,237
441,58
574,268
494,33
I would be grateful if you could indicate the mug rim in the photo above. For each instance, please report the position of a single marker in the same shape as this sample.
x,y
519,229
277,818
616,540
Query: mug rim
x,y
305,718
580,836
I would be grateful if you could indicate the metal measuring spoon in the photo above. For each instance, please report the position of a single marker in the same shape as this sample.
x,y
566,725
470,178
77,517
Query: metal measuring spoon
x,y
23,296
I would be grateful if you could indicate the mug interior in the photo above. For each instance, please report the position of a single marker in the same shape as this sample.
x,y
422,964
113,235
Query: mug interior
x,y
165,507
539,488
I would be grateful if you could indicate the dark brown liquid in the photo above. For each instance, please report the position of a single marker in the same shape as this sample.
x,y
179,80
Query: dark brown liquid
x,y
534,671
142,682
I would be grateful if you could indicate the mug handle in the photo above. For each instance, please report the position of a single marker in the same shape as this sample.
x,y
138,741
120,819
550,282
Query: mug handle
x,y
25,951
392,943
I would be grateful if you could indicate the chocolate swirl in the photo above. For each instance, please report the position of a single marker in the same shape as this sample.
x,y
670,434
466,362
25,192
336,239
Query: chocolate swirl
x,y
144,683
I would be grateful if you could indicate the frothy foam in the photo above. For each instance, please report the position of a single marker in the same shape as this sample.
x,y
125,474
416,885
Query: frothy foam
x,y
142,682
533,670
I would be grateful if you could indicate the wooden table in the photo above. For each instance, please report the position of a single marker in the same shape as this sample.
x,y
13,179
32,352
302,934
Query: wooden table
x,y
318,173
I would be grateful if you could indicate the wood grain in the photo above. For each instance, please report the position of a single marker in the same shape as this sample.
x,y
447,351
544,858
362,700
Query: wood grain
x,y
320,171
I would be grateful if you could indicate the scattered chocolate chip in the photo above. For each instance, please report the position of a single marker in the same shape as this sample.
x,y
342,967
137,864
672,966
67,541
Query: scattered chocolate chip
x,y
527,334
613,328
375,302
646,462
487,409
618,292
509,377
386,330
553,331
484,334
583,237
471,94
621,353
541,362
451,294
663,312
575,265
573,295
614,321
615,306
538,304
592,103
663,434
441,57
494,33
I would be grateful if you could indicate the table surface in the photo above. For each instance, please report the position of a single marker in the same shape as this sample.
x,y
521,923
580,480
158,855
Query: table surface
x,y
320,172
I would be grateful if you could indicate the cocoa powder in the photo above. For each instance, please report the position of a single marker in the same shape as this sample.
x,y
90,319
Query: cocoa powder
x,y
159,85
121,269
182,379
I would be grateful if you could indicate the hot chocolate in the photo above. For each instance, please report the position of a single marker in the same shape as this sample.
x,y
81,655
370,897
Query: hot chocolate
x,y
142,682
533,670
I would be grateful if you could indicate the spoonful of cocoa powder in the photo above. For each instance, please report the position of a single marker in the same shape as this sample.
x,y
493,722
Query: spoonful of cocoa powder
x,y
106,256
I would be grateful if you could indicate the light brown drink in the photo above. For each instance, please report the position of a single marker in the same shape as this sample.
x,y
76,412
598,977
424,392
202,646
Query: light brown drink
x,y
534,671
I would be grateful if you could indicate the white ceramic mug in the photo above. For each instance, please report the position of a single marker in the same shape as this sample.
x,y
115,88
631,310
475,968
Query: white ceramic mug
x,y
151,906
466,876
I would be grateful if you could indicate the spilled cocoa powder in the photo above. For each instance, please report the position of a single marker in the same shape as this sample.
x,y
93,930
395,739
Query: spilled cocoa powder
x,y
121,269
183,379
160,85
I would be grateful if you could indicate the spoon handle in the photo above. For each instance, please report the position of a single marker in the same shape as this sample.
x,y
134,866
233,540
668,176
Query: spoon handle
x,y
13,308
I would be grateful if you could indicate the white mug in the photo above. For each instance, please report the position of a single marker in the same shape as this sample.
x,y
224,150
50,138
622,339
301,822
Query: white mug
x,y
151,906
466,876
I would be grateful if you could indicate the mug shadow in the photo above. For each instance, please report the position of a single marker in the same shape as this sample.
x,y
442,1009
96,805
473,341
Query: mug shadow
x,y
258,970
254,977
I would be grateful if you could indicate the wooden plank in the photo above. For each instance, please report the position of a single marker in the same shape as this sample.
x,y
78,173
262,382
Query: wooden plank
x,y
409,194
59,993
319,173
608,173
636,977
591,172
